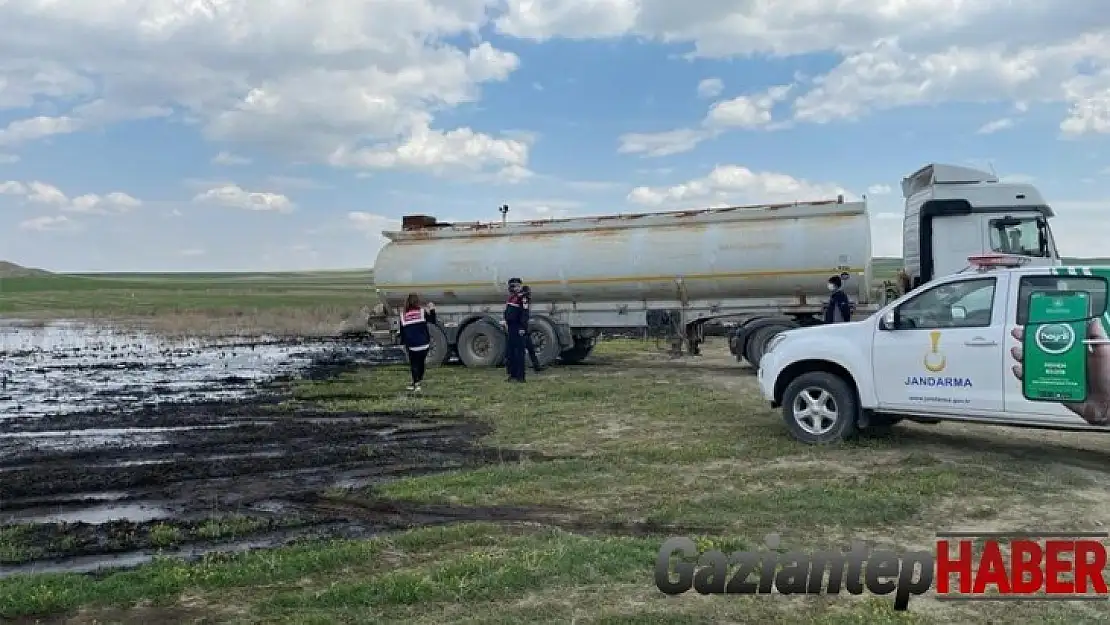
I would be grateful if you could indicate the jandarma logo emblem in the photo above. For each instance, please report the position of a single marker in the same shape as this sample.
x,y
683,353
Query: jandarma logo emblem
x,y
1054,338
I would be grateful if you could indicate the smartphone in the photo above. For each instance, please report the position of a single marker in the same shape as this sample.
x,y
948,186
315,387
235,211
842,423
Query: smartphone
x,y
1054,355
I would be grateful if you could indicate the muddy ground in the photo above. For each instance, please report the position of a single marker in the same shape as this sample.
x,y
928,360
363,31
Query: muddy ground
x,y
117,446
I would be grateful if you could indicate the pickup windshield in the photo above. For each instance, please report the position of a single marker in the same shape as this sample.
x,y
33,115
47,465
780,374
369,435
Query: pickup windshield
x,y
1022,236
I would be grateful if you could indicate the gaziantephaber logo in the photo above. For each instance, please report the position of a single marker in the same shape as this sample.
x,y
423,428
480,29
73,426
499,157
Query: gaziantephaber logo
x,y
965,567
1054,338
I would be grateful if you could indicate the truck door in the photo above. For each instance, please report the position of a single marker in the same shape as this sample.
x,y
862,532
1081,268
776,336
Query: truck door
x,y
954,239
945,351
1062,278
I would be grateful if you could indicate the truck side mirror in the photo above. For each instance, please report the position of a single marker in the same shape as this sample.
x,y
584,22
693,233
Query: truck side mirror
x,y
959,313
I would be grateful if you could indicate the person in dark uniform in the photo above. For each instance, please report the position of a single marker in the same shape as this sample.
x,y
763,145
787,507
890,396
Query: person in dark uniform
x,y
839,309
529,345
416,336
516,319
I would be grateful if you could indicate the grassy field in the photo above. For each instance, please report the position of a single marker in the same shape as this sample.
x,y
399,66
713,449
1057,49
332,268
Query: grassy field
x,y
679,446
305,303
296,303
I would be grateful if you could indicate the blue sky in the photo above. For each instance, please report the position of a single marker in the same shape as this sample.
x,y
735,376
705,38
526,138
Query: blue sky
x,y
249,135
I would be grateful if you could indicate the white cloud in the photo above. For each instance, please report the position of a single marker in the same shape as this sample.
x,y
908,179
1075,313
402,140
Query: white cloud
x,y
432,150
47,223
879,189
8,159
995,126
233,196
47,195
290,78
193,252
35,128
1089,100
710,88
746,111
662,143
894,53
729,184
889,76
227,158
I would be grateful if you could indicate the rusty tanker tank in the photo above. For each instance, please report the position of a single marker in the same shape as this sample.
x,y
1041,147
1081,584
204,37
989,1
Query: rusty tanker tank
x,y
648,271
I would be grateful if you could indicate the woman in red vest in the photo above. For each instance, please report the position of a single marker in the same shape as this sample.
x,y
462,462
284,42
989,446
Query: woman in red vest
x,y
416,336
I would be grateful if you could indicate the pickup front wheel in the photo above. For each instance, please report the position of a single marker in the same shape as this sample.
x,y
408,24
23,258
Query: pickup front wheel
x,y
820,408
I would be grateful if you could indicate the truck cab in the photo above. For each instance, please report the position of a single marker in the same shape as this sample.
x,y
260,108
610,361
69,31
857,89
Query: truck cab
x,y
943,352
953,212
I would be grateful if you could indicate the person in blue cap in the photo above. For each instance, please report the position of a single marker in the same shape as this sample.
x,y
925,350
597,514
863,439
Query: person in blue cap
x,y
516,326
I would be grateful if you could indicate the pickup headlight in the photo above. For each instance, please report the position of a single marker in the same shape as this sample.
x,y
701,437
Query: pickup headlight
x,y
775,341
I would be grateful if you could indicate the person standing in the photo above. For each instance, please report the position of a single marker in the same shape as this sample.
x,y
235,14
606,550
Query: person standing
x,y
416,336
839,309
529,344
516,320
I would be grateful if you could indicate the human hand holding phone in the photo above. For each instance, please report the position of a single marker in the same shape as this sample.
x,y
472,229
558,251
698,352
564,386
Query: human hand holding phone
x,y
1095,410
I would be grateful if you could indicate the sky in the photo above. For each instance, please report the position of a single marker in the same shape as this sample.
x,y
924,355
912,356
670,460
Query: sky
x,y
213,135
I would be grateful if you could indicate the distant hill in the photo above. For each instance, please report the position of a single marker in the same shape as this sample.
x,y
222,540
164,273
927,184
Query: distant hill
x,y
12,270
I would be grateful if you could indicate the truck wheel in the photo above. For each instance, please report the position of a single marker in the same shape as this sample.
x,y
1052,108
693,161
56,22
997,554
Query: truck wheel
x,y
545,339
439,352
820,408
482,344
578,353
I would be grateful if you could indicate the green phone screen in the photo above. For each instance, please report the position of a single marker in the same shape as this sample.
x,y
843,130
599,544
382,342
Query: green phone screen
x,y
1054,356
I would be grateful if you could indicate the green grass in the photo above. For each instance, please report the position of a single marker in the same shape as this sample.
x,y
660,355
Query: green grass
x,y
640,439
294,303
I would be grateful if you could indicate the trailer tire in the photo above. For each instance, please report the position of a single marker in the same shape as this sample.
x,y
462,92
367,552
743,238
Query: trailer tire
x,y
482,344
578,353
546,340
757,342
439,351
829,415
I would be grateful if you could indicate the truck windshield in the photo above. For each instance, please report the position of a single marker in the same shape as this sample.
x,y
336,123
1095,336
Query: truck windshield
x,y
1021,236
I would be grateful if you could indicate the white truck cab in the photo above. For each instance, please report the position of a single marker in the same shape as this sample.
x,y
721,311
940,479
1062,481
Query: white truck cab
x,y
952,212
941,352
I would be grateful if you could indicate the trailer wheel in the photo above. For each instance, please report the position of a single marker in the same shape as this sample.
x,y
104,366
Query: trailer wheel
x,y
545,339
757,343
820,408
578,353
482,344
440,351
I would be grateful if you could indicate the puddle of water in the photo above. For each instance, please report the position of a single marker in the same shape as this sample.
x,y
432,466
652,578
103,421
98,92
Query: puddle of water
x,y
68,366
75,497
93,515
91,564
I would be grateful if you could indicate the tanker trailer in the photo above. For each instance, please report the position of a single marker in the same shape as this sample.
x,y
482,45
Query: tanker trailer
x,y
667,272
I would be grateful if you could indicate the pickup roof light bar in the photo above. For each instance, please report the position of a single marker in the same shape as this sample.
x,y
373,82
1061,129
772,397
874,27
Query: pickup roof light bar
x,y
986,262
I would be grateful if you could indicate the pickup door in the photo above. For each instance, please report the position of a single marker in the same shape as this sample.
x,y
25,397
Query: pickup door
x,y
947,353
1057,278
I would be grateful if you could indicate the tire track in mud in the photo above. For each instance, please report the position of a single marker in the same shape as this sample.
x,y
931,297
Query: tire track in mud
x,y
185,469
257,461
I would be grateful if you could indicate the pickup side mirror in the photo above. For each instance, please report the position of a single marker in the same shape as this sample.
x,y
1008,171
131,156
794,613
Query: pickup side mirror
x,y
889,320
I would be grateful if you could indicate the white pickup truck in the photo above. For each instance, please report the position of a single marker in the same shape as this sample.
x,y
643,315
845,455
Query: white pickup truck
x,y
943,352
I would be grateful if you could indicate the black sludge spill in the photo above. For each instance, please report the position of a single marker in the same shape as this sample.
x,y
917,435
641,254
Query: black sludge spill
x,y
114,445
